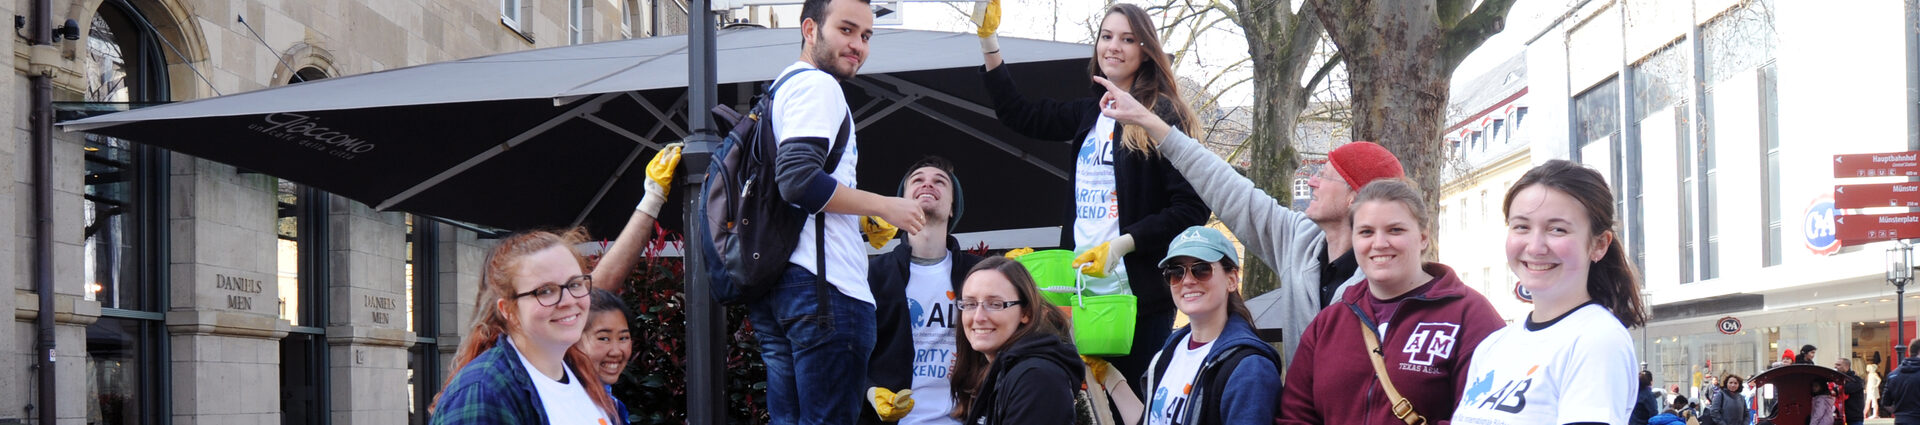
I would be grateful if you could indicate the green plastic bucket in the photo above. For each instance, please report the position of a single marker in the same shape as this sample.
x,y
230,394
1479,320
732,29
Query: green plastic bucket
x,y
1103,324
1051,268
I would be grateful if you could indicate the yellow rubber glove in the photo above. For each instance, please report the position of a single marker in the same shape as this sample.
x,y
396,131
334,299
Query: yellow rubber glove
x,y
889,405
659,179
1015,254
987,16
1099,366
878,231
1102,258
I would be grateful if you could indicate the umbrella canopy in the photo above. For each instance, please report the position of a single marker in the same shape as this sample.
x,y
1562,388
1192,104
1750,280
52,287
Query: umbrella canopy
x,y
559,136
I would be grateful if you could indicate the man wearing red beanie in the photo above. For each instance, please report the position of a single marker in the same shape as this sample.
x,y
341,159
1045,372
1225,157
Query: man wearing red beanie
x,y
1311,250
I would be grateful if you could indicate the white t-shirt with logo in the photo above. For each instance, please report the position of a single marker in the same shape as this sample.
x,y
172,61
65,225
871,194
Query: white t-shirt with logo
x,y
566,403
1579,369
1169,403
1096,200
930,301
810,104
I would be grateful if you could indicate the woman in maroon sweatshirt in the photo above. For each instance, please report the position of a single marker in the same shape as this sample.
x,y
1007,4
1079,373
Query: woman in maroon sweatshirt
x,y
1428,323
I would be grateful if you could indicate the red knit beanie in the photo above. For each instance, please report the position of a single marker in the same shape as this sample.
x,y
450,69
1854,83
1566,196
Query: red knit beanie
x,y
1363,162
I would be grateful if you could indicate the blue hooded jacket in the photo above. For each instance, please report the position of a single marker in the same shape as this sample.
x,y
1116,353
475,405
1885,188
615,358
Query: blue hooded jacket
x,y
1238,383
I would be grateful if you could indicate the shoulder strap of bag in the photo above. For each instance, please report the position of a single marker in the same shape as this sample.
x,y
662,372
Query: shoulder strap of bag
x,y
1402,408
820,220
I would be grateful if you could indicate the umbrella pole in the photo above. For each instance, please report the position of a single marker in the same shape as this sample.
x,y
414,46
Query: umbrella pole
x,y
706,320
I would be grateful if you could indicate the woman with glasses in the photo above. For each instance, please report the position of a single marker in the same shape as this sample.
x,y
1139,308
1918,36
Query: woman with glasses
x,y
519,364
1015,362
1394,348
1214,370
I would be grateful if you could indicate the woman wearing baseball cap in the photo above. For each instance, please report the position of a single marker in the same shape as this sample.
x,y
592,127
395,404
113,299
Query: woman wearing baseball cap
x,y
1188,381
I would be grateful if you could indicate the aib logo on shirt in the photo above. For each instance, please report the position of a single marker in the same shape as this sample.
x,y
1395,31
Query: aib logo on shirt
x,y
1169,406
1430,341
1510,397
942,315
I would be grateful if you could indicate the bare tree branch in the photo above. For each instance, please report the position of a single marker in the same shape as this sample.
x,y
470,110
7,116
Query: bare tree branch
x,y
1485,21
1326,68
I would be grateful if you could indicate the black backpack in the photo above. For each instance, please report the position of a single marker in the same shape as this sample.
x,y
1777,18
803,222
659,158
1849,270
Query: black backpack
x,y
750,229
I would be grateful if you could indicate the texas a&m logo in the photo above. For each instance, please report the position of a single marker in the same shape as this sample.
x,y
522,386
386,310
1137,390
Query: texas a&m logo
x,y
1430,341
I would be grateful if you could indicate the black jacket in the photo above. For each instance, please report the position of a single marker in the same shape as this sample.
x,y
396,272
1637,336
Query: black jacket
x,y
1032,382
1902,394
1855,388
891,365
1156,203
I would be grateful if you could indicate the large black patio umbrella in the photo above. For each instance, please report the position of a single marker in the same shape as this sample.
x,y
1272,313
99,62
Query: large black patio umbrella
x,y
560,136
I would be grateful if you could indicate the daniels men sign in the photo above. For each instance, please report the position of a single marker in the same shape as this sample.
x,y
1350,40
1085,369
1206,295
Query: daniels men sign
x,y
308,133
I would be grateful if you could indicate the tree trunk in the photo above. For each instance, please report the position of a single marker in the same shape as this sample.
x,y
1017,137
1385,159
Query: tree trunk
x,y
1401,55
1280,43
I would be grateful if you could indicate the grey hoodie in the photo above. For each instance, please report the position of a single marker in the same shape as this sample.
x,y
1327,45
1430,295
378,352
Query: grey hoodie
x,y
1282,238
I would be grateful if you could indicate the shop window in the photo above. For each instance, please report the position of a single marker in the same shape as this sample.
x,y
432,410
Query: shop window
x,y
423,283
302,231
123,207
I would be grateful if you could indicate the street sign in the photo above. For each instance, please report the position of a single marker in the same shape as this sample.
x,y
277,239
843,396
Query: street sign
x,y
1877,164
1876,195
1728,325
1856,229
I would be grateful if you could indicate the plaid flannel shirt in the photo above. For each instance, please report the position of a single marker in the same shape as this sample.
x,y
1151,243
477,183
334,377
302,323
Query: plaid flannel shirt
x,y
492,389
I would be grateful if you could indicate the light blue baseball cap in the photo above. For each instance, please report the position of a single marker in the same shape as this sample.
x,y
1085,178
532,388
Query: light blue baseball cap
x,y
1203,243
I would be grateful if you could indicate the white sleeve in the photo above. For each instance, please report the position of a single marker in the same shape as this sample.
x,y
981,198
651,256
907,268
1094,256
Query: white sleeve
x,y
1599,379
809,104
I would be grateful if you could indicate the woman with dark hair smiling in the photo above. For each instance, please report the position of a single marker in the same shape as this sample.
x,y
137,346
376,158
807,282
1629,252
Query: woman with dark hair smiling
x,y
1016,364
1571,361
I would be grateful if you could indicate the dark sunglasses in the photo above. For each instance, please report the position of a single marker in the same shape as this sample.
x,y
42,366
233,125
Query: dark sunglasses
x,y
1201,270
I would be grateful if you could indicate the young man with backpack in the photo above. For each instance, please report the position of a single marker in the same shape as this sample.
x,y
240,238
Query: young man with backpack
x,y
815,338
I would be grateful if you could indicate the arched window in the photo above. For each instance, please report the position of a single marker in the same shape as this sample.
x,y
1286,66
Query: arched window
x,y
123,207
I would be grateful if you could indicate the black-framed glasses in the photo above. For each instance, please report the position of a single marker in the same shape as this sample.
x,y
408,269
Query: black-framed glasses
x,y
990,306
549,294
1201,270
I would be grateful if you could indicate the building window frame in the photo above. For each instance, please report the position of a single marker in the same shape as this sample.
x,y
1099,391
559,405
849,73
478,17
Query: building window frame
x,y
305,345
423,359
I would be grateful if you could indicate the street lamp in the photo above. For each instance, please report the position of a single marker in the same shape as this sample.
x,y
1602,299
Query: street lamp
x,y
1900,273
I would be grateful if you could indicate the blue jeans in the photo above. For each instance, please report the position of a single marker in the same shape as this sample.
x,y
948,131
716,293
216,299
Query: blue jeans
x,y
816,359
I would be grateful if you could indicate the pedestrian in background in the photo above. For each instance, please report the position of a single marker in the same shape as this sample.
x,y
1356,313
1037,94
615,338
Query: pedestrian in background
x,y
1572,353
1677,414
1853,394
1725,405
1647,404
1016,363
1822,405
1902,392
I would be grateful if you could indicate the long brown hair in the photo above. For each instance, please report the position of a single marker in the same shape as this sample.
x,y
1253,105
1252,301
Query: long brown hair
x,y
970,366
1612,281
1153,84
1235,304
490,322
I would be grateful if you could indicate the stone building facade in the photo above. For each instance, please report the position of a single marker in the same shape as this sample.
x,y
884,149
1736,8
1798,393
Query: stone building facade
x,y
189,291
